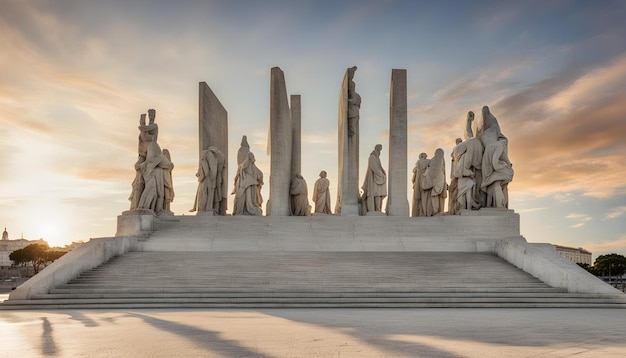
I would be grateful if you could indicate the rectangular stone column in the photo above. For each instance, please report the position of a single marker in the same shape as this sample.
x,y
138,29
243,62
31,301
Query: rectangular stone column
x,y
347,203
213,131
280,146
397,203
296,146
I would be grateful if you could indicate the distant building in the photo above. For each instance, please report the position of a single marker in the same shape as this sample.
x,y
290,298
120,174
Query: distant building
x,y
8,246
577,255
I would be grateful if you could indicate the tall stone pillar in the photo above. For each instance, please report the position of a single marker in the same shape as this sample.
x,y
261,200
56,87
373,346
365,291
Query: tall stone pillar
x,y
347,203
397,203
280,146
213,131
296,147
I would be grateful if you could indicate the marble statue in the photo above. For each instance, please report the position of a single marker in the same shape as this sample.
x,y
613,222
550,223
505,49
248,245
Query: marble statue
x,y
453,205
220,195
497,170
137,185
420,197
321,195
479,197
375,183
354,103
147,133
207,175
434,183
248,183
168,183
154,170
152,188
299,197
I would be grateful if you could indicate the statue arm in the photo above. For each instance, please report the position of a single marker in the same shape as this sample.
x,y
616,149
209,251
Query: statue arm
x,y
469,134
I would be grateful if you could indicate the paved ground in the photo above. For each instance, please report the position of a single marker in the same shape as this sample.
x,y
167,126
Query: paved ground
x,y
315,333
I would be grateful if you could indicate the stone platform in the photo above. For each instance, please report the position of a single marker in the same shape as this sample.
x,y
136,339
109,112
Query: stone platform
x,y
477,259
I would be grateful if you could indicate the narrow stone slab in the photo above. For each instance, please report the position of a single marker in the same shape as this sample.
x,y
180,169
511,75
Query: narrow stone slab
x,y
397,203
280,146
296,146
347,203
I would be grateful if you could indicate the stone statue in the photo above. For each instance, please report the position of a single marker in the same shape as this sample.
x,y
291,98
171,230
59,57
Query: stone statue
x,y
168,182
467,162
137,185
207,182
420,197
153,171
299,197
152,188
354,103
453,205
220,195
248,183
434,183
321,195
497,170
147,133
474,164
375,183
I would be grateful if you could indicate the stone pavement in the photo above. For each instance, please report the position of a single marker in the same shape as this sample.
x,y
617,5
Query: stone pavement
x,y
315,333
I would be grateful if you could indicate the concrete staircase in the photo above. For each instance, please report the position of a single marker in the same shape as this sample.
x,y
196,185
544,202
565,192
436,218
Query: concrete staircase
x,y
280,279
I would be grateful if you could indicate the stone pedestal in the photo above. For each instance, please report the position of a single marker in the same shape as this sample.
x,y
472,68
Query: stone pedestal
x,y
397,203
136,223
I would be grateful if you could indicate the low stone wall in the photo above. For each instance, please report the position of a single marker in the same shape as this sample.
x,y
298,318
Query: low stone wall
x,y
543,262
72,264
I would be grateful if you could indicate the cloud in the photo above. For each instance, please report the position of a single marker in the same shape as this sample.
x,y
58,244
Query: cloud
x,y
578,216
619,244
616,212
576,226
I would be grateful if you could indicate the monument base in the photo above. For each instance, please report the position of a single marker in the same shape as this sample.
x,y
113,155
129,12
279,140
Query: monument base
x,y
137,223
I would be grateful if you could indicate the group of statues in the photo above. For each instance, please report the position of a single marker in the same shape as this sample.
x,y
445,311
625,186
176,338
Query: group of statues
x,y
153,187
481,171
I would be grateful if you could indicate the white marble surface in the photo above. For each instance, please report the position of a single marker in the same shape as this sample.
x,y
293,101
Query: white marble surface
x,y
314,333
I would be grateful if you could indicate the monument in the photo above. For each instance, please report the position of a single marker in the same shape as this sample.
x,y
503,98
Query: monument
x,y
249,260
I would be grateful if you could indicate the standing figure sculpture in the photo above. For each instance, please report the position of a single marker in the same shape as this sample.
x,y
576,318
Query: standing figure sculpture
x,y
497,170
354,103
375,183
434,183
321,195
207,182
153,170
168,183
299,197
453,205
152,188
420,197
248,183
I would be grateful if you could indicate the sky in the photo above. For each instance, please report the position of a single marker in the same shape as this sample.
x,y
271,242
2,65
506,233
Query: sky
x,y
76,75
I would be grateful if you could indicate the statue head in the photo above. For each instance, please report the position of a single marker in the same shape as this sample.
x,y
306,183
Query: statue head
x,y
323,174
439,151
470,116
423,156
244,141
251,157
151,115
459,141
351,72
378,147
485,112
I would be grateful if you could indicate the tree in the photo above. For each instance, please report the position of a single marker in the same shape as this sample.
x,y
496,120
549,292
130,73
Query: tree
x,y
592,270
37,255
610,265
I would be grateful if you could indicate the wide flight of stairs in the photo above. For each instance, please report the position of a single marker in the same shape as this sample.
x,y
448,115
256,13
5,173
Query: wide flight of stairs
x,y
283,279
